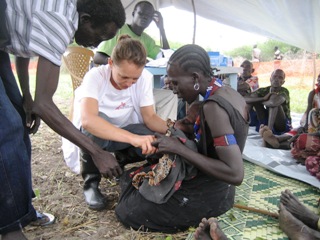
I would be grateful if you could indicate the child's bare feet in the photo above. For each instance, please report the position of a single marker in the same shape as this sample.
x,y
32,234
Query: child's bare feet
x,y
209,229
298,210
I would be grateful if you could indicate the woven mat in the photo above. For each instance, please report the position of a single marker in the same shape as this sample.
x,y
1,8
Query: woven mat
x,y
261,189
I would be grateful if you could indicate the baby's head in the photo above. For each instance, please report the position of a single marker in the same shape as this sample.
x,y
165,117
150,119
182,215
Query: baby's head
x,y
186,124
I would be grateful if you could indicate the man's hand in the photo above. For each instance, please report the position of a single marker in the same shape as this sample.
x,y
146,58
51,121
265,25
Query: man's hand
x,y
32,120
157,18
107,164
166,144
267,97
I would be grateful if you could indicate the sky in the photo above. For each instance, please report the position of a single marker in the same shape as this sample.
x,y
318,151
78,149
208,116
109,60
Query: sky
x,y
210,34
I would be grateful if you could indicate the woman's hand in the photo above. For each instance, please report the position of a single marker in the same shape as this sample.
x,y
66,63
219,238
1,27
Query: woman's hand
x,y
166,144
145,143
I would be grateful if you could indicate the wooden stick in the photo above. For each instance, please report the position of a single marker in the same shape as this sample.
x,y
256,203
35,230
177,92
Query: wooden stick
x,y
251,209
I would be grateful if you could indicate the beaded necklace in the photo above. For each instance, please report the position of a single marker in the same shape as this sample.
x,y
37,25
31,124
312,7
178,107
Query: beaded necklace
x,y
215,84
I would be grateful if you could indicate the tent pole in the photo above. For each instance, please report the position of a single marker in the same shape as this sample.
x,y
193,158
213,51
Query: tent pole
x,y
314,68
194,22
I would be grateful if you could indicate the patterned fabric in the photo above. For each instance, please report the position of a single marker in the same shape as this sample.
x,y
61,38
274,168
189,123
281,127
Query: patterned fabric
x,y
304,146
313,166
41,28
314,120
261,92
253,82
157,183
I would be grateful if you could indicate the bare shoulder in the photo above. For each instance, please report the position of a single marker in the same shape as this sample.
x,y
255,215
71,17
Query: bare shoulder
x,y
235,99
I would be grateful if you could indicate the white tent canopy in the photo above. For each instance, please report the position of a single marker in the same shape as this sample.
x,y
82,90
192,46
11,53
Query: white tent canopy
x,y
291,21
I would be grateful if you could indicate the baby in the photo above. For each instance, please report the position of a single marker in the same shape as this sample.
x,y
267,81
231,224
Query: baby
x,y
186,124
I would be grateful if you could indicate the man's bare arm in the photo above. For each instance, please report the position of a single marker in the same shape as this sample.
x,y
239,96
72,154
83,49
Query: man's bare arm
x,y
32,120
47,82
159,22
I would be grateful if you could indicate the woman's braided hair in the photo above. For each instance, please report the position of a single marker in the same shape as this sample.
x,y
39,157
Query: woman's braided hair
x,y
192,57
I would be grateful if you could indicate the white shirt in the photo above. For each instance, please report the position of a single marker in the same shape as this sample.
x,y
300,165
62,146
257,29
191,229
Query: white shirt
x,y
41,28
121,106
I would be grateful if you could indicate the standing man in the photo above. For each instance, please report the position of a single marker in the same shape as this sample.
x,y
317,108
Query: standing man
x,y
256,52
278,56
277,53
43,29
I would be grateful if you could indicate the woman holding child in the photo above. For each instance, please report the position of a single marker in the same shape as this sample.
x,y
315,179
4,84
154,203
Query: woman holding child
x,y
216,164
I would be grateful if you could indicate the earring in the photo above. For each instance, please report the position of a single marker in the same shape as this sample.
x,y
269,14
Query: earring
x,y
196,86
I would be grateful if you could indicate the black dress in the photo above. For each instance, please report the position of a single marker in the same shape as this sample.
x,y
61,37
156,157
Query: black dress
x,y
200,197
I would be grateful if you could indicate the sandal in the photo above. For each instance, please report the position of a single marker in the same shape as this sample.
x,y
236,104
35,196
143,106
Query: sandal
x,y
43,219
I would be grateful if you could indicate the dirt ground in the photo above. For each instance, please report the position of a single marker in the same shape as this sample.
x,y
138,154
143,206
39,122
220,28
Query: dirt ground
x,y
59,192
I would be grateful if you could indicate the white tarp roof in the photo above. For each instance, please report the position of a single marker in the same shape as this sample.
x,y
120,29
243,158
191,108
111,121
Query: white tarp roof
x,y
291,21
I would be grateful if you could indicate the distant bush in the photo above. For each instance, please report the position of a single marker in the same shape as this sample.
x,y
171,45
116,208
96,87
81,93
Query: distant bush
x,y
267,51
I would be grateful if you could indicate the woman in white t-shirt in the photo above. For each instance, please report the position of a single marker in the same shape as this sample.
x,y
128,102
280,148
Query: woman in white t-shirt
x,y
117,111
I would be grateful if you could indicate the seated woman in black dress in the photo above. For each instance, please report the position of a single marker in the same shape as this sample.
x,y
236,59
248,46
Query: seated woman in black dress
x,y
202,180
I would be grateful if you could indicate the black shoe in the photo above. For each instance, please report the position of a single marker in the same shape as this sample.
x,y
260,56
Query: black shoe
x,y
94,198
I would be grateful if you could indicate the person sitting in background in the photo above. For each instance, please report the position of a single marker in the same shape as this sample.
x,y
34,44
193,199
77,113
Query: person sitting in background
x,y
310,120
220,133
142,15
116,106
248,84
309,123
272,104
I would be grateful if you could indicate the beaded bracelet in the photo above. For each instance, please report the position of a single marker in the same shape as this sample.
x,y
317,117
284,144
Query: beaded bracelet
x,y
170,123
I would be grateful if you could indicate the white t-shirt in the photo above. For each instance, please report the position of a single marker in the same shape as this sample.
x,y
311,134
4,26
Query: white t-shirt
x,y
121,106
